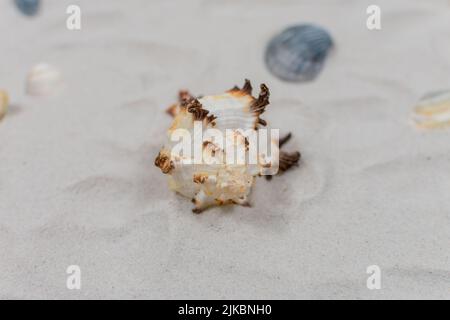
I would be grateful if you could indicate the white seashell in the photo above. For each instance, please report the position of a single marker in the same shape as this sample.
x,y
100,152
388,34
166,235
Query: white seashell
x,y
214,181
43,80
433,111
4,101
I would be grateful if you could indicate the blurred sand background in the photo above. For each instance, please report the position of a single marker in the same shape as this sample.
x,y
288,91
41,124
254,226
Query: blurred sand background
x,y
78,185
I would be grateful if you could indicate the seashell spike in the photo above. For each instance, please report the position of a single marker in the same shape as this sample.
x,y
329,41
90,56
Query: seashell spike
x,y
206,176
298,53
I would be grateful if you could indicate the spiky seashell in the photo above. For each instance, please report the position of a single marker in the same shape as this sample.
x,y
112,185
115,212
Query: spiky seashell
x,y
215,181
43,79
298,53
4,101
433,110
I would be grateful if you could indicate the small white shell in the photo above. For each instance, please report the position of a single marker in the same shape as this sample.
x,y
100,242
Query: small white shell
x,y
43,80
4,101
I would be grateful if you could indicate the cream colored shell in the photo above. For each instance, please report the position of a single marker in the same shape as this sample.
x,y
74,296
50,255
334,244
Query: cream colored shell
x,y
4,101
222,183
43,80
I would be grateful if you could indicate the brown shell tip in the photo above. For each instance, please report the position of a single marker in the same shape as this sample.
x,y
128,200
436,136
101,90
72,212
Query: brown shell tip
x,y
210,119
184,95
259,105
199,178
164,163
196,108
262,122
288,160
247,88
285,139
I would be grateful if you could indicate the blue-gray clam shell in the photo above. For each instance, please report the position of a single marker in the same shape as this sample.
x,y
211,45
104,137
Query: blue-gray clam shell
x,y
28,7
298,53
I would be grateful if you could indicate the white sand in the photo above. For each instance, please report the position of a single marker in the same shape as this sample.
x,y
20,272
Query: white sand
x,y
78,185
